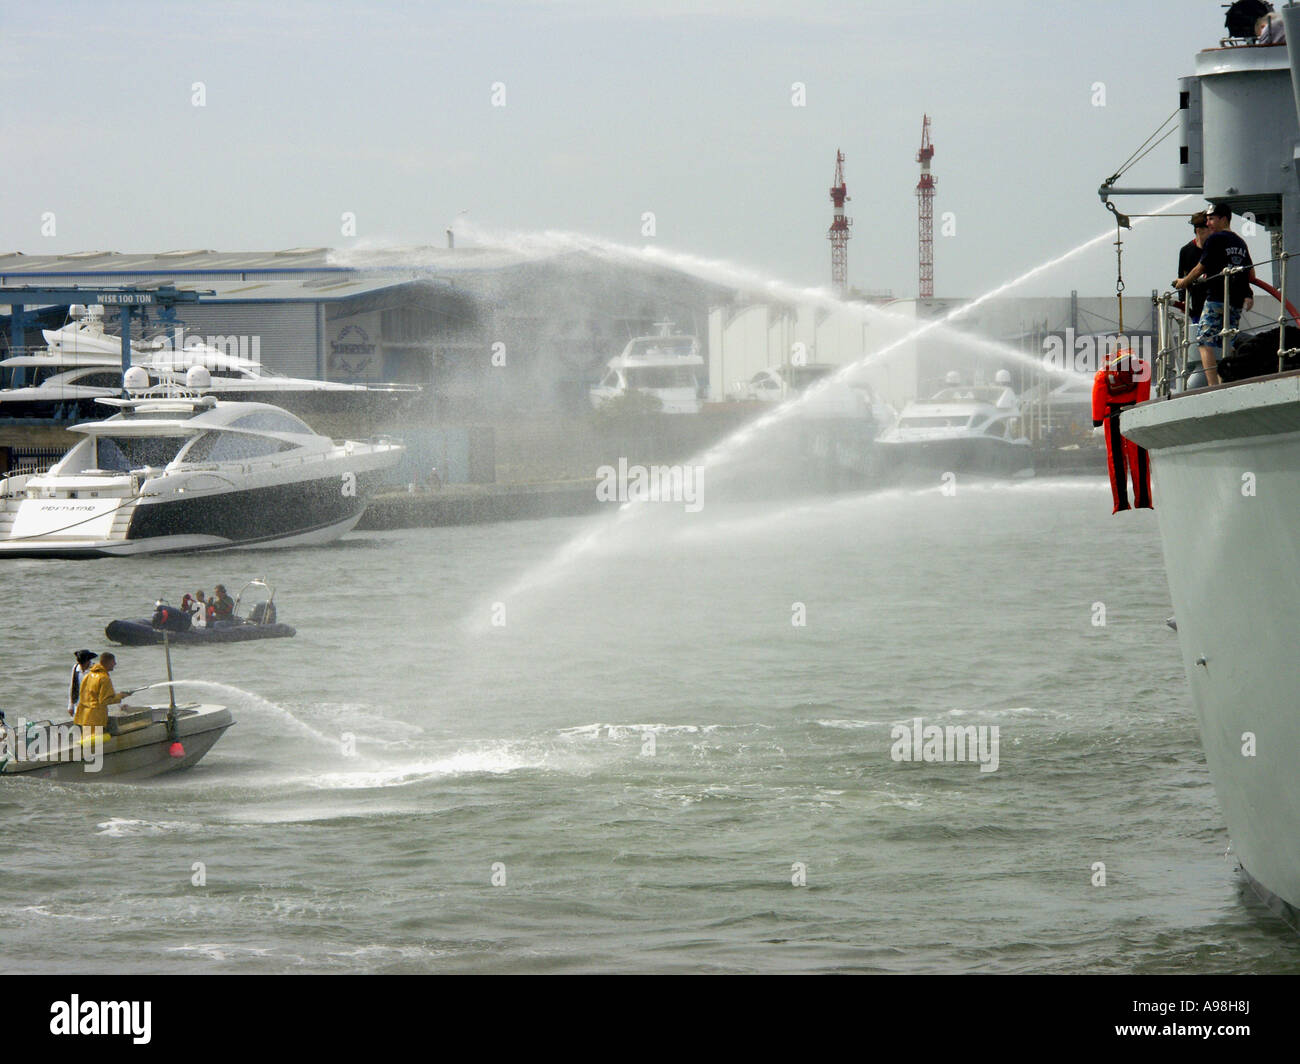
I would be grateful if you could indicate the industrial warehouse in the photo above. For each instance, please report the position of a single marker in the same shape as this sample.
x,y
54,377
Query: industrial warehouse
x,y
514,354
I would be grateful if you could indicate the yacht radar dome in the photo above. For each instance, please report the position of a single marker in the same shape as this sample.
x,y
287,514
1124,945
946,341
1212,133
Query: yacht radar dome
x,y
136,379
1002,377
198,379
953,377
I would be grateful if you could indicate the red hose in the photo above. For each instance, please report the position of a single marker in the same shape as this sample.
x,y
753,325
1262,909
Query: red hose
x,y
1290,307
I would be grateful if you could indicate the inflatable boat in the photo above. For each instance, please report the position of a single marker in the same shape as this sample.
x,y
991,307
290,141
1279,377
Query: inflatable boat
x,y
178,625
142,633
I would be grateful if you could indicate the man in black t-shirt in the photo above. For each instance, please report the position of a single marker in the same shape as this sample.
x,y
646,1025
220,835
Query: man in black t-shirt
x,y
1188,256
1222,249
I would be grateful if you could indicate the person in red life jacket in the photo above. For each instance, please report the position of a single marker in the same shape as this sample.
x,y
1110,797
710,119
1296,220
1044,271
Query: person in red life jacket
x,y
1125,380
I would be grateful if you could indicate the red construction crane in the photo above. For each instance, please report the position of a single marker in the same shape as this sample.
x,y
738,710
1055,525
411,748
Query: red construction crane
x,y
925,211
838,234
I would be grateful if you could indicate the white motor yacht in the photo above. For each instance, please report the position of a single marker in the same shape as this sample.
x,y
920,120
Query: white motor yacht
x,y
82,363
666,366
176,470
961,429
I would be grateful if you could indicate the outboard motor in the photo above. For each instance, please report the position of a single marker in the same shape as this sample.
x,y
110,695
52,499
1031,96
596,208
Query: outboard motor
x,y
263,613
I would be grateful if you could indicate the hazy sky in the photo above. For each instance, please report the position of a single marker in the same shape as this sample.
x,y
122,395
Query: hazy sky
x,y
612,108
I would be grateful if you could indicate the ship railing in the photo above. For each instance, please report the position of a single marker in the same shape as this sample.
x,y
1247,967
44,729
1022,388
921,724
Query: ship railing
x,y
1176,337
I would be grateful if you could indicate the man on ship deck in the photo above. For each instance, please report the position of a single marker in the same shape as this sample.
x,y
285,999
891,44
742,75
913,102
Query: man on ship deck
x,y
1221,249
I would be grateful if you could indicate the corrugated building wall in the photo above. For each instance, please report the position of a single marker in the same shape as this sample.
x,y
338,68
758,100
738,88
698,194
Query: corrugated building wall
x,y
288,335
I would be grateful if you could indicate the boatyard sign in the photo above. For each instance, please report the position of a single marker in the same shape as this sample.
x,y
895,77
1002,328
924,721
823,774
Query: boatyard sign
x,y
123,299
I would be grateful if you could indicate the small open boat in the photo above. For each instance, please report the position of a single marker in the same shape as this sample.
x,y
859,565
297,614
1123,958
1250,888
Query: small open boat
x,y
138,742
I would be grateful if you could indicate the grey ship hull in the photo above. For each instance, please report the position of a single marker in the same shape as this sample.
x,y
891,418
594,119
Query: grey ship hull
x,y
1226,473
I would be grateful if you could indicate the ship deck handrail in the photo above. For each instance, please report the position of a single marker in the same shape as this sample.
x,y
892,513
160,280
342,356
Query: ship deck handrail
x,y
1176,336
1284,375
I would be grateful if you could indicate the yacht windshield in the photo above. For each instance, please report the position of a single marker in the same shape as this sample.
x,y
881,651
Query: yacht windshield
x,y
272,421
234,447
663,347
934,422
660,377
801,377
969,395
124,453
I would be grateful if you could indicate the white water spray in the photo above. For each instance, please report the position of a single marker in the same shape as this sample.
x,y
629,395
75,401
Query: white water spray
x,y
257,702
724,273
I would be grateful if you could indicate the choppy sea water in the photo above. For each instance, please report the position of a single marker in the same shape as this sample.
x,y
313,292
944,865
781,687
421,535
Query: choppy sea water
x,y
628,764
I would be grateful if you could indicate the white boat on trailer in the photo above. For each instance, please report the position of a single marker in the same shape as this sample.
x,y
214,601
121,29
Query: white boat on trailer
x,y
180,471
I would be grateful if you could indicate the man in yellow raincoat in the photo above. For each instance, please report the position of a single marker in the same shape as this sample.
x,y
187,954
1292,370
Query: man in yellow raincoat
x,y
97,694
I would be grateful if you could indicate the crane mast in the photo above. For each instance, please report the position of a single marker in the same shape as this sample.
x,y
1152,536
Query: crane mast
x,y
925,212
838,234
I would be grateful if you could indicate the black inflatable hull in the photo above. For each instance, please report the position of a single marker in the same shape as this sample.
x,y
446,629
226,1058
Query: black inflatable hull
x,y
144,634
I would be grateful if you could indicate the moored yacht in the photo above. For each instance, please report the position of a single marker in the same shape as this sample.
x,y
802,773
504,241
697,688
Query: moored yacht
x,y
961,429
82,363
175,470
666,366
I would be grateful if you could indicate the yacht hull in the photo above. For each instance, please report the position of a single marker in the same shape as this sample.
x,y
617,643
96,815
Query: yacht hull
x,y
1226,476
979,456
178,544
286,513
